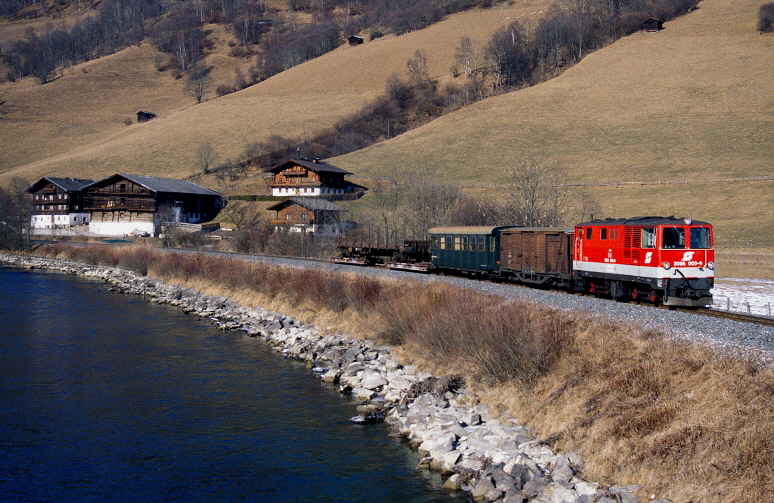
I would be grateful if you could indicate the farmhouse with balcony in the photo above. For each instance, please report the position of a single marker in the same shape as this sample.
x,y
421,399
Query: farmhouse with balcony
x,y
301,177
306,214
58,202
123,205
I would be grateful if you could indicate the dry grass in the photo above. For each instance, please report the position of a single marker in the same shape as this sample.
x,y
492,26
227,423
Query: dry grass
x,y
694,102
683,422
297,103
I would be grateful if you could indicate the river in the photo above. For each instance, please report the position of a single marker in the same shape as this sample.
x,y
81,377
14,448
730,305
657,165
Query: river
x,y
106,397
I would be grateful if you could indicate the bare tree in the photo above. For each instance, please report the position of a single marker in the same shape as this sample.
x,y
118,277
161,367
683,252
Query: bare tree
x,y
15,206
537,195
205,156
388,197
465,56
241,213
417,67
471,211
199,83
429,202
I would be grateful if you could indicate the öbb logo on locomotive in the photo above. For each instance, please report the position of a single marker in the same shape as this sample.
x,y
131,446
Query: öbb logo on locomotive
x,y
662,260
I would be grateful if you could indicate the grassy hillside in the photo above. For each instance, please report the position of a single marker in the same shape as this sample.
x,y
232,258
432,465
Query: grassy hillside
x,y
693,102
298,102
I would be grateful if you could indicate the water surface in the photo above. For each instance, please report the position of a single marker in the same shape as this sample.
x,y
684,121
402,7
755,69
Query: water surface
x,y
107,397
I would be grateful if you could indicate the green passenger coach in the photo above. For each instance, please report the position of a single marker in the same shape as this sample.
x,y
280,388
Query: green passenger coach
x,y
471,249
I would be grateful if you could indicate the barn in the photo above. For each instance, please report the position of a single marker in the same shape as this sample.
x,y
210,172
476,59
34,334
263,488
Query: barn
x,y
123,204
652,24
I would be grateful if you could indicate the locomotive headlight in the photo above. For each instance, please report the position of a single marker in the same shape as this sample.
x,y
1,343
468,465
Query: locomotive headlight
x,y
711,265
666,265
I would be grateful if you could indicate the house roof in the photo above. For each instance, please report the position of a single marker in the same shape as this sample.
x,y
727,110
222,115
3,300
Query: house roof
x,y
317,166
68,184
168,185
310,203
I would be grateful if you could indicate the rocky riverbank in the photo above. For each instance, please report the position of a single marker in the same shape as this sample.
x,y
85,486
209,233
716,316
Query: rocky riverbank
x,y
491,459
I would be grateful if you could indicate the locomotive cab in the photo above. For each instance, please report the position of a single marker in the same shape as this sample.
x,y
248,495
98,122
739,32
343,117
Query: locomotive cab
x,y
662,259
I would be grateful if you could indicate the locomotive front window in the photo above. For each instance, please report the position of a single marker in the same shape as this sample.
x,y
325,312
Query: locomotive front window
x,y
700,238
648,237
673,237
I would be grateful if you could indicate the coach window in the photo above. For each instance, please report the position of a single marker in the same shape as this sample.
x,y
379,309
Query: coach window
x,y
456,243
589,230
435,242
648,237
700,238
442,242
481,244
464,243
492,246
673,238
603,233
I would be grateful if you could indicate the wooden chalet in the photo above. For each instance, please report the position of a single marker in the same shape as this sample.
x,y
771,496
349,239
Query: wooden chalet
x,y
306,214
123,205
301,177
652,24
58,202
355,40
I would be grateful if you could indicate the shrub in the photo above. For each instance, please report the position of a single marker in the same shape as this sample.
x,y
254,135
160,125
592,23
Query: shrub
x,y
766,18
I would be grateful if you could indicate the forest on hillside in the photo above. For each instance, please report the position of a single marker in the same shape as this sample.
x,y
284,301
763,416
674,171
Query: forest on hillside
x,y
277,37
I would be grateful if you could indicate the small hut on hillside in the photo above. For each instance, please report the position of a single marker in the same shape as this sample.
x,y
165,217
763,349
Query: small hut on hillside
x,y
653,24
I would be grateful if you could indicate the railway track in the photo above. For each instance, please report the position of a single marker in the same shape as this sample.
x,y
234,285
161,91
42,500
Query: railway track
x,y
713,313
729,315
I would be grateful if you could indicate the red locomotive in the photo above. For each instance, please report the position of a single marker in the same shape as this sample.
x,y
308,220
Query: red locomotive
x,y
663,259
